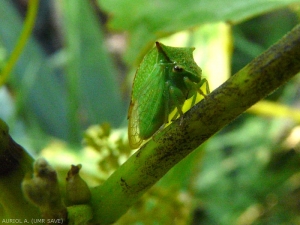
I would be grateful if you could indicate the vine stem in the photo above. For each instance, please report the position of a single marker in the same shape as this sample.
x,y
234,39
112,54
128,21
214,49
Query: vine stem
x,y
24,37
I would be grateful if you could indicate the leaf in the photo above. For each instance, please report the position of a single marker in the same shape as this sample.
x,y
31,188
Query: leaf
x,y
39,89
146,21
92,77
89,90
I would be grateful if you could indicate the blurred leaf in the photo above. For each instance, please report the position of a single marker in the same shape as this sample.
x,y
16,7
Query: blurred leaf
x,y
89,93
268,108
250,37
39,88
92,78
243,168
147,21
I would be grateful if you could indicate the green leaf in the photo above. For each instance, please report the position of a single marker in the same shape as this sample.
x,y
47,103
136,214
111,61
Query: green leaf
x,y
146,21
91,75
39,90
89,90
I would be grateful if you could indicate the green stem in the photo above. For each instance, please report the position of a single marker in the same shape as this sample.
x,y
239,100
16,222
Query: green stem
x,y
15,162
255,81
28,26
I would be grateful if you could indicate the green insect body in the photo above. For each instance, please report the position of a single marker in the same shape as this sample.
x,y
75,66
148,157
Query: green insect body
x,y
166,77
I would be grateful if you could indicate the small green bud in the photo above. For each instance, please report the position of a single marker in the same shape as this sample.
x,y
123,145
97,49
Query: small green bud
x,y
77,191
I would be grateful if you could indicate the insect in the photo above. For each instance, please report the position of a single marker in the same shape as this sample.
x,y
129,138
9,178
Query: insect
x,y
166,77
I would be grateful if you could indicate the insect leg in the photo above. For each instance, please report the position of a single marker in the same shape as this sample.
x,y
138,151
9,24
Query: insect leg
x,y
167,101
206,85
177,99
197,87
175,116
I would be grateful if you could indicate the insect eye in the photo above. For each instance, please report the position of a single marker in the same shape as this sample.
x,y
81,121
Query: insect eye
x,y
177,68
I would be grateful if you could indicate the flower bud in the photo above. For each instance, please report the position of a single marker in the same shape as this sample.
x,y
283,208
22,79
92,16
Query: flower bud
x,y
77,191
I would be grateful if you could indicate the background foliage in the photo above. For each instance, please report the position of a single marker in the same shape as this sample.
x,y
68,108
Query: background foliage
x,y
77,71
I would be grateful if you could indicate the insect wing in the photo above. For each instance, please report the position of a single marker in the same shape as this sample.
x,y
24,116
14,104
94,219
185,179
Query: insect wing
x,y
133,127
144,107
